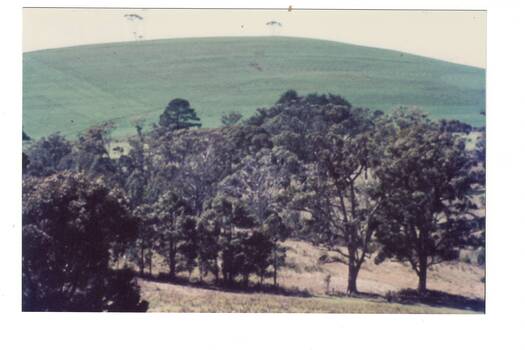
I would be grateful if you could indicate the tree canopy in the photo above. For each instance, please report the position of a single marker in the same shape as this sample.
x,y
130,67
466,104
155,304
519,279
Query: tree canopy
x,y
178,114
353,181
72,230
428,183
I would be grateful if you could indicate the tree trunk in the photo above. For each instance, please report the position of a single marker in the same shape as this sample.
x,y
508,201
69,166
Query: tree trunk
x,y
275,264
142,261
422,283
352,279
423,264
216,270
172,259
150,262
201,269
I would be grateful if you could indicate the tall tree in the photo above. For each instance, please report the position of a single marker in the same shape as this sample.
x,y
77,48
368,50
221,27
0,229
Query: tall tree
x,y
428,184
332,143
275,230
232,221
91,152
340,213
174,216
259,181
178,114
147,237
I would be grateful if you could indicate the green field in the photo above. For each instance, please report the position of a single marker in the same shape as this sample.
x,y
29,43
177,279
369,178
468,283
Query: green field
x,y
71,89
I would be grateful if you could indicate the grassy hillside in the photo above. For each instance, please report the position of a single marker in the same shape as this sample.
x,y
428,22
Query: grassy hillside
x,y
73,88
305,276
165,297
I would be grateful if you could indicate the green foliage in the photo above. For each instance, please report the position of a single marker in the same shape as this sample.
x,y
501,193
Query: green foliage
x,y
88,154
148,236
427,184
314,167
25,137
332,143
178,115
48,155
288,96
72,229
91,152
231,118
177,230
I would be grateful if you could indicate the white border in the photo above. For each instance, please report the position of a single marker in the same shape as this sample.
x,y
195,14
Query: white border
x,y
499,328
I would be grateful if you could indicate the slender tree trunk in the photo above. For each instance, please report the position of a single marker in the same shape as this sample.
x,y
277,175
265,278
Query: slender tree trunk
x,y
422,283
423,265
142,261
201,268
150,262
216,273
275,265
172,258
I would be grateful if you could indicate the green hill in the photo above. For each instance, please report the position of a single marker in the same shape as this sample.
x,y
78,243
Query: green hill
x,y
70,89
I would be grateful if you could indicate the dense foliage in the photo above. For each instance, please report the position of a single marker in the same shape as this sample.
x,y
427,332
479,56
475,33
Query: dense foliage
x,y
221,201
73,228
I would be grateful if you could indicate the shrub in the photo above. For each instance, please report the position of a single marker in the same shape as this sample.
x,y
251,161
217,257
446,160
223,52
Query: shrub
x,y
72,229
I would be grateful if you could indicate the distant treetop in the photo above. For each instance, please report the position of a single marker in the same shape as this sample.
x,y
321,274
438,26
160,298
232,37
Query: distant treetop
x,y
179,115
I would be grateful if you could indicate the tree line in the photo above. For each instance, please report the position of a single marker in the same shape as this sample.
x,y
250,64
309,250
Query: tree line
x,y
353,181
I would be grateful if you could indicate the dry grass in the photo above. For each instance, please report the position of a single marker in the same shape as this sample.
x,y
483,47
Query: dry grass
x,y
303,272
165,297
454,278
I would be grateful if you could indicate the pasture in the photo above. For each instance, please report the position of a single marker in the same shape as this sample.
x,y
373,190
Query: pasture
x,y
71,89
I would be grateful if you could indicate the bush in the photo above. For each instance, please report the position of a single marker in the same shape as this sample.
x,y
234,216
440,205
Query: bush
x,y
72,229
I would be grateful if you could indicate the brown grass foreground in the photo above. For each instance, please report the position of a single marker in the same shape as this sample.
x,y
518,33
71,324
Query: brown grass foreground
x,y
303,273
165,297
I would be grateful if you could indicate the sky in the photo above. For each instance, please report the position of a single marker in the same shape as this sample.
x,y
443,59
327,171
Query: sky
x,y
455,36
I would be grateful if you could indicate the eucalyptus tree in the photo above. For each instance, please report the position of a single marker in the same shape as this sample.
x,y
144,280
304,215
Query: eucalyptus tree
x,y
334,148
91,152
260,181
232,223
428,183
176,226
147,237
340,213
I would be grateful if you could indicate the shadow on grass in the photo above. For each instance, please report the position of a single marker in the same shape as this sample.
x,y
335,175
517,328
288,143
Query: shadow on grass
x,y
437,299
405,296
231,288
